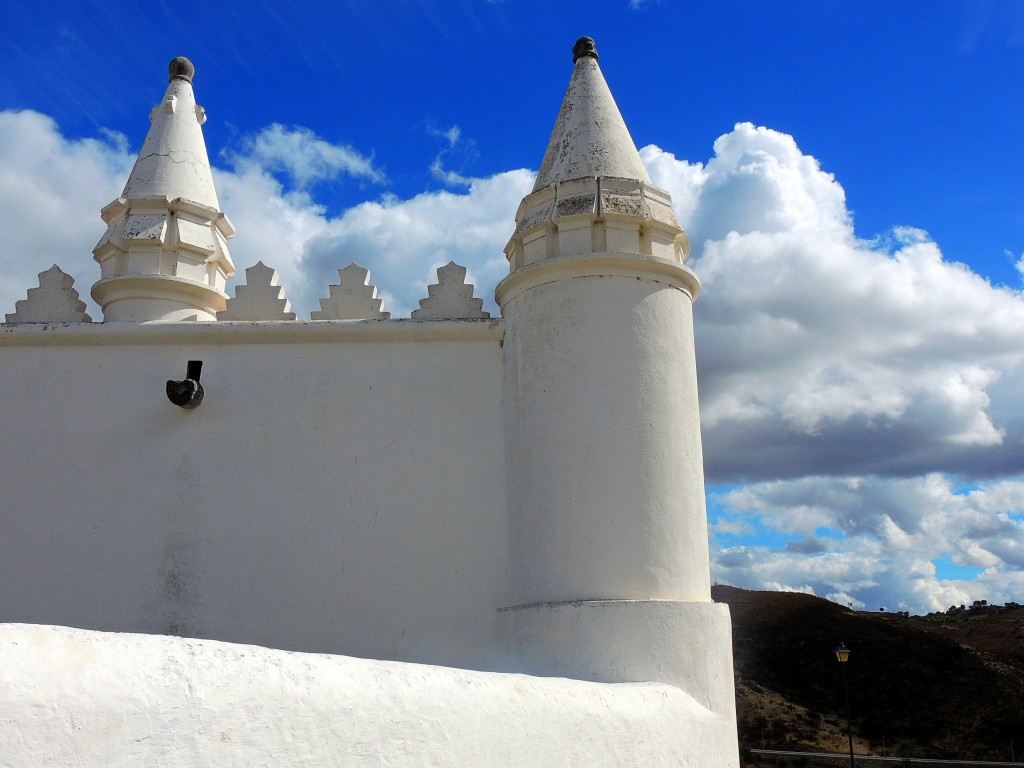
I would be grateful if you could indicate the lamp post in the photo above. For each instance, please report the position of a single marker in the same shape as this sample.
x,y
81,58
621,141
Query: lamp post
x,y
843,655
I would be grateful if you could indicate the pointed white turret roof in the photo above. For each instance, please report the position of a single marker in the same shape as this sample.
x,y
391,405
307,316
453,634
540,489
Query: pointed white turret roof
x,y
173,162
590,137
164,256
593,194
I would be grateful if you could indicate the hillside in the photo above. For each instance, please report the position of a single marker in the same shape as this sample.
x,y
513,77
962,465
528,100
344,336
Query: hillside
x,y
945,685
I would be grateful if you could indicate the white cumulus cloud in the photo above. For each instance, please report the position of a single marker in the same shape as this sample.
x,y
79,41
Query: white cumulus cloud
x,y
877,540
404,241
822,353
303,156
51,193
853,378
52,189
401,242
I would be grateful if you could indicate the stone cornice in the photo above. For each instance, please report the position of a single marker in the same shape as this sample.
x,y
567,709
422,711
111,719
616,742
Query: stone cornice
x,y
256,332
630,265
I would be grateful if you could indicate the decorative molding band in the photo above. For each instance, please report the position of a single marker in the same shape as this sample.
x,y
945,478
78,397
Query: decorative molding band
x,y
166,287
601,603
598,265
256,332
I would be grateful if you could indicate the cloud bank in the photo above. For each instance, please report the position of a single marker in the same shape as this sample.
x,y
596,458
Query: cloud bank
x,y
849,385
862,433
876,542
822,353
51,193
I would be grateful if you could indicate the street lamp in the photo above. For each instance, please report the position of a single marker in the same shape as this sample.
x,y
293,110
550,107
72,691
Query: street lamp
x,y
843,656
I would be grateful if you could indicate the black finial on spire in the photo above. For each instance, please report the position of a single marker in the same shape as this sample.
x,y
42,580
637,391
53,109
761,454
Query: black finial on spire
x,y
584,47
182,68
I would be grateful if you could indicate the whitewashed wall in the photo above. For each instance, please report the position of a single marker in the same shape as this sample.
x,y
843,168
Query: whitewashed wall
x,y
340,489
129,700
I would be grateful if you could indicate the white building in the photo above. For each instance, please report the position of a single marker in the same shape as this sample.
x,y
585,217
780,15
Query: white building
x,y
502,519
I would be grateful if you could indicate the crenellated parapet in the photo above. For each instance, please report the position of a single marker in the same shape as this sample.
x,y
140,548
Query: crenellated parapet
x,y
261,298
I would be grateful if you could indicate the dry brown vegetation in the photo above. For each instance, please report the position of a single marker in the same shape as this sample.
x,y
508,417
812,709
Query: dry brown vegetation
x,y
947,685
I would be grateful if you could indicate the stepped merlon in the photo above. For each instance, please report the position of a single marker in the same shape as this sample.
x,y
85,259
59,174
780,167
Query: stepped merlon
x,y
164,256
54,301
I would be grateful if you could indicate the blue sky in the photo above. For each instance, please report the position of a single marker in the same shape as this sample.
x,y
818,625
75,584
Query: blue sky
x,y
849,174
913,105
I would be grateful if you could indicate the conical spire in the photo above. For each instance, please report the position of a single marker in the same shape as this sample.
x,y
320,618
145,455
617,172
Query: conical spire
x,y
590,137
173,160
164,256
593,194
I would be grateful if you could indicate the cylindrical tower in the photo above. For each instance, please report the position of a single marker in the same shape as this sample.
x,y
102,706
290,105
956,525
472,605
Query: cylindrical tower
x,y
608,529
606,482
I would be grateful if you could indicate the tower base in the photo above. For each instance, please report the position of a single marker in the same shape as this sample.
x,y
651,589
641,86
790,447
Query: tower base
x,y
687,645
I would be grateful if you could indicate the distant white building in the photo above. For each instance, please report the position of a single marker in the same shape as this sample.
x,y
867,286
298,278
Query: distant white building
x,y
502,519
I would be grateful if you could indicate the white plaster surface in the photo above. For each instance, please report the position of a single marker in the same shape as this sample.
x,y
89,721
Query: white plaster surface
x,y
340,489
71,697
686,644
515,495
606,485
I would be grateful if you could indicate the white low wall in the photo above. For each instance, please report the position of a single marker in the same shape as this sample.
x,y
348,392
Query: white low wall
x,y
340,489
71,697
